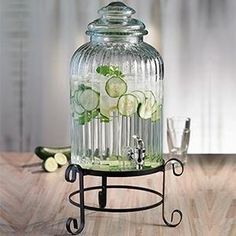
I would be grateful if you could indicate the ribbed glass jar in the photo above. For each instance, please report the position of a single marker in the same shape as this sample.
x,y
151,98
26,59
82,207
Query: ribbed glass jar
x,y
116,94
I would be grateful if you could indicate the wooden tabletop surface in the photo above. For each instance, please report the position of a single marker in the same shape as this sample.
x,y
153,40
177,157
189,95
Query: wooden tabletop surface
x,y
33,202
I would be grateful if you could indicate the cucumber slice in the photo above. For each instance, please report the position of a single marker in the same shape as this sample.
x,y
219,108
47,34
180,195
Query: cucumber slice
x,y
147,164
148,107
50,165
115,87
156,116
145,110
89,99
155,107
79,91
105,114
150,97
127,105
60,159
78,108
45,152
139,95
77,95
107,105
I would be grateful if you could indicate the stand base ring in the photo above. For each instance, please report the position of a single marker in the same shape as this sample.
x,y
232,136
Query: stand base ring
x,y
118,209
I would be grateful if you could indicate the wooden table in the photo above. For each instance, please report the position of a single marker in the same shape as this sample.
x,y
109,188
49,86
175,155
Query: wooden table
x,y
33,202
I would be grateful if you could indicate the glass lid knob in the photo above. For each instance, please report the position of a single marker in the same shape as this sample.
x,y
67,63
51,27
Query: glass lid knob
x,y
116,19
116,10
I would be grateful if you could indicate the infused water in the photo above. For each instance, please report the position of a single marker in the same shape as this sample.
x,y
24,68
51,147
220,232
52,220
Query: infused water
x,y
107,113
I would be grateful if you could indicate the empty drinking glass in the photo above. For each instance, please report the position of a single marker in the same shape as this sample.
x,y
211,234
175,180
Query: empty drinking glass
x,y
178,134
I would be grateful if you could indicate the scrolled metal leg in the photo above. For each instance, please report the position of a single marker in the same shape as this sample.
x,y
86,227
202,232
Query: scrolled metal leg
x,y
171,224
70,176
102,195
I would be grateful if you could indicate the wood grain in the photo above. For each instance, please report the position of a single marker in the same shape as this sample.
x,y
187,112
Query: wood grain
x,y
33,202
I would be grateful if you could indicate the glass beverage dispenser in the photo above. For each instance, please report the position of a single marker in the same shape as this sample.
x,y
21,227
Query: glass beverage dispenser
x,y
116,96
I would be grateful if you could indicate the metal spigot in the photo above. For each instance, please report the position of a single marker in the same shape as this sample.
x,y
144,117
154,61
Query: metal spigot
x,y
137,154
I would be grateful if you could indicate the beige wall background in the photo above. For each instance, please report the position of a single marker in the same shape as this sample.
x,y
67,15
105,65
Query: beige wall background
x,y
196,39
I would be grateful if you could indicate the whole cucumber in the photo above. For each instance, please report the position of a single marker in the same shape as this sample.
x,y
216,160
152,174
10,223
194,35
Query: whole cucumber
x,y
46,152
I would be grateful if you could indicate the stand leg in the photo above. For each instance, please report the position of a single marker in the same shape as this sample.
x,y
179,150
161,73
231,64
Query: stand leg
x,y
163,188
70,176
102,195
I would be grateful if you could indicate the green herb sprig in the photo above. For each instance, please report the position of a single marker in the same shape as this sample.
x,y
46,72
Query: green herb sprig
x,y
109,71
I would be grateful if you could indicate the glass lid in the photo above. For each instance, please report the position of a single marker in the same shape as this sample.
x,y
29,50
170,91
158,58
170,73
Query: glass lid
x,y
116,19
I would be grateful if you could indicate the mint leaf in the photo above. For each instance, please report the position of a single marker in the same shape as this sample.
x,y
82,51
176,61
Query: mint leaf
x,y
94,114
87,116
84,118
109,71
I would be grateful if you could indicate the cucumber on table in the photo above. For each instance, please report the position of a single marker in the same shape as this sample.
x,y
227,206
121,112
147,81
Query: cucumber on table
x,y
60,158
46,152
50,165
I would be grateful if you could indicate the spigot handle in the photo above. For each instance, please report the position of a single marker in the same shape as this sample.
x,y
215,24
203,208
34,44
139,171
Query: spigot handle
x,y
138,142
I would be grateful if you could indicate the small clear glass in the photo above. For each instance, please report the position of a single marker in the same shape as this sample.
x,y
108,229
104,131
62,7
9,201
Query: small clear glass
x,y
178,135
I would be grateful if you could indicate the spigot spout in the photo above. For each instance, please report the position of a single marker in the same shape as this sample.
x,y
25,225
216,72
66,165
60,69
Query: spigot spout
x,y
137,154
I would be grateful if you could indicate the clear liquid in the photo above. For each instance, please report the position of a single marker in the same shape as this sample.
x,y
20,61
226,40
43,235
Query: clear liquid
x,y
178,141
102,145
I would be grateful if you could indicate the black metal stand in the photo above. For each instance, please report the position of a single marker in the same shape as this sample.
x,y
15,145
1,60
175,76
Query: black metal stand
x,y
71,175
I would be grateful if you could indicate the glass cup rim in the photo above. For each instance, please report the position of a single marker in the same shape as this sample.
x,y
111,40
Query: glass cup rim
x,y
179,118
175,122
179,130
